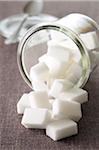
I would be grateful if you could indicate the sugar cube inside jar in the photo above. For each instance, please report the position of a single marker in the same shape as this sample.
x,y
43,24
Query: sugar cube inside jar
x,y
62,56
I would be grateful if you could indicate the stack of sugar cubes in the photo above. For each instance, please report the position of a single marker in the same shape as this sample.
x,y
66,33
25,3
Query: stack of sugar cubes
x,y
55,103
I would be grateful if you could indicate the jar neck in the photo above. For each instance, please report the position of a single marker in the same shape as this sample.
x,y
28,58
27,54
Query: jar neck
x,y
78,23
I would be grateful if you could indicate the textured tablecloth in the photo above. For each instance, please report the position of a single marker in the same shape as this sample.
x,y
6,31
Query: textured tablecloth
x,y
13,136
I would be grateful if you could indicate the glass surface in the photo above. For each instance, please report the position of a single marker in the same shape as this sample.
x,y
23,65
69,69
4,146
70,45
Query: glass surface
x,y
35,44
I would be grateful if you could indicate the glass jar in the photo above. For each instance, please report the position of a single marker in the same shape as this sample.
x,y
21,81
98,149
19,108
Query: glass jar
x,y
79,31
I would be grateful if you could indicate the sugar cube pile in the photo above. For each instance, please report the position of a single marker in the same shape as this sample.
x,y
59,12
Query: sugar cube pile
x,y
55,102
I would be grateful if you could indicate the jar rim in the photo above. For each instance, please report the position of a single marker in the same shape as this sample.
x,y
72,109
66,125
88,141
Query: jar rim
x,y
68,32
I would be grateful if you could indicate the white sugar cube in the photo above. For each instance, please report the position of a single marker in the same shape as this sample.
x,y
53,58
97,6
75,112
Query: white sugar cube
x,y
94,59
36,118
50,81
61,129
42,58
56,67
39,99
90,39
39,86
67,109
58,86
72,48
58,51
51,101
70,45
58,36
23,103
39,72
75,94
74,72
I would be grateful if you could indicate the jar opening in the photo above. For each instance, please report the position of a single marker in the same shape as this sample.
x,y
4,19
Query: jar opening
x,y
35,44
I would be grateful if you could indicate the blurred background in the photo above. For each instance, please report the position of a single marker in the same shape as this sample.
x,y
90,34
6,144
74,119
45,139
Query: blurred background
x,y
58,8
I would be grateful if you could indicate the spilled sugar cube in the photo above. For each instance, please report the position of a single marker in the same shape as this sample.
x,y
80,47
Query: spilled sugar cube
x,y
94,58
39,100
75,94
23,103
61,129
55,103
67,109
91,40
58,86
36,118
